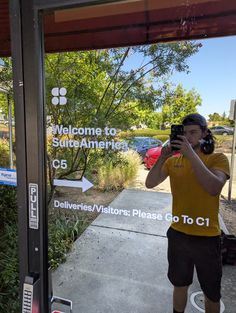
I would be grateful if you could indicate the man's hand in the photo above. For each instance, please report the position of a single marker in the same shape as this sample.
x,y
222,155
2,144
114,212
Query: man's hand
x,y
184,146
157,175
166,152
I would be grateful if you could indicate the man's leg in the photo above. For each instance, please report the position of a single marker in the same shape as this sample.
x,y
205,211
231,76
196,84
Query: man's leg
x,y
209,272
180,270
180,297
211,307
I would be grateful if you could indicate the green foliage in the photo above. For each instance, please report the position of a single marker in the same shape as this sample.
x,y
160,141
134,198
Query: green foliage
x,y
162,135
99,82
154,120
8,210
220,119
215,117
9,281
163,138
178,104
146,132
63,230
6,85
117,176
102,91
4,153
3,104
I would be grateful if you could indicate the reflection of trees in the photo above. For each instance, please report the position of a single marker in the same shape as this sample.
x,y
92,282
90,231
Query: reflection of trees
x,y
6,85
178,104
104,90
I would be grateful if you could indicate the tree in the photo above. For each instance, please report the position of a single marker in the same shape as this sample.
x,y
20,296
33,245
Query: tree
x,y
220,119
100,82
6,86
154,120
102,90
224,116
179,103
215,117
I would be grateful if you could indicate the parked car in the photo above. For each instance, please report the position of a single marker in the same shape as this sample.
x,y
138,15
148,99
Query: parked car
x,y
153,154
222,130
142,144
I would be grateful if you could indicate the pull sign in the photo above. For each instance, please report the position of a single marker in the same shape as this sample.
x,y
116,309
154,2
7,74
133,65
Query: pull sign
x,y
33,206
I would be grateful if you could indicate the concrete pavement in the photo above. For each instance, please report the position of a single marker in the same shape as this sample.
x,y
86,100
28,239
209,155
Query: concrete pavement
x,y
119,263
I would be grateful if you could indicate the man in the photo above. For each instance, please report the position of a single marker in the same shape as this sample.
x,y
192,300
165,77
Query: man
x,y
197,177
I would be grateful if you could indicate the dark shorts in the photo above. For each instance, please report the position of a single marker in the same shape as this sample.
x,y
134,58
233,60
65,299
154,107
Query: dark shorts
x,y
187,251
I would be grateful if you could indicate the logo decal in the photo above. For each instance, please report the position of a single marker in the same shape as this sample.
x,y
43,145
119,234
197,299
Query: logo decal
x,y
59,96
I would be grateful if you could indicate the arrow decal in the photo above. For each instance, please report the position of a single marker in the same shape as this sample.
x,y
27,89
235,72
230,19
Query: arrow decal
x,y
84,183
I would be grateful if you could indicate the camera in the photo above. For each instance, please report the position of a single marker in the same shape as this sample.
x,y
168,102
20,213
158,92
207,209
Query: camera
x,y
175,131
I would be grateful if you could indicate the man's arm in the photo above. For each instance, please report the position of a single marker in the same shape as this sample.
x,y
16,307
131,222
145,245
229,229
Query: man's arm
x,y
212,181
157,174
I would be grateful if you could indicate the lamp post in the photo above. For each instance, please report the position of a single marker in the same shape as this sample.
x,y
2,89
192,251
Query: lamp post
x,y
232,117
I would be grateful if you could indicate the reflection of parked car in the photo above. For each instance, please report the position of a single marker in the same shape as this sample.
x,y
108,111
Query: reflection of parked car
x,y
4,134
221,130
153,154
142,144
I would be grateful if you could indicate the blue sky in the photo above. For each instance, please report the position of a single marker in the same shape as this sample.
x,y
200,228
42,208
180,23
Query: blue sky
x,y
213,74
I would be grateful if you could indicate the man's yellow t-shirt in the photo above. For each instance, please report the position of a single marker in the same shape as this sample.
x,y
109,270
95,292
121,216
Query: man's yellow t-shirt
x,y
195,211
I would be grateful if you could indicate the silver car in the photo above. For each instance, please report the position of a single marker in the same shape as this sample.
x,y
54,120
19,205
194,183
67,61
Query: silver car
x,y
222,130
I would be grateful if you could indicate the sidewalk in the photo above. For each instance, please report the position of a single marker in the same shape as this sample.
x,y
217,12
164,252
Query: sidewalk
x,y
119,263
225,190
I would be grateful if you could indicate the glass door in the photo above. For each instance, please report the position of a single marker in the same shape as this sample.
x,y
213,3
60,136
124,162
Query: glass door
x,y
111,99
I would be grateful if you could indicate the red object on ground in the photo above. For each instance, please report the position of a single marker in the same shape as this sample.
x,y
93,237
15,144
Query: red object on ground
x,y
152,155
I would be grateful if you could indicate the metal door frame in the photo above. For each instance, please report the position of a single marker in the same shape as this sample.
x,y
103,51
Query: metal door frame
x,y
27,46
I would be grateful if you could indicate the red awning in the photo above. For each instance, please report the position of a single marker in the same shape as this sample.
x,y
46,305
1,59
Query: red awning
x,y
130,22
